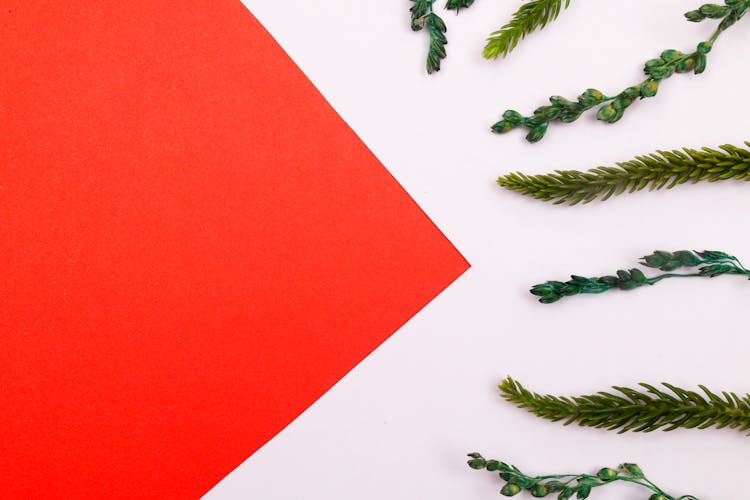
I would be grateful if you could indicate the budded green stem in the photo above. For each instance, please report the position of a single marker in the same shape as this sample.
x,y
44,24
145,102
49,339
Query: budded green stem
x,y
567,485
612,108
713,263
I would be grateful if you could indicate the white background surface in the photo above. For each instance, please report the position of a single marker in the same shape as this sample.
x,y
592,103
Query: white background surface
x,y
398,426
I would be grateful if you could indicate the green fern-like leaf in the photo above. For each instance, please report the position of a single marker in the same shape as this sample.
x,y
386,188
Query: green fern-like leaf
x,y
436,53
422,16
533,15
655,171
638,410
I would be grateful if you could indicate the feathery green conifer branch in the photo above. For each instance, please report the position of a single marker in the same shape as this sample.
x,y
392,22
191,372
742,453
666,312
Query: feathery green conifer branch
x,y
656,171
638,410
567,485
612,108
533,15
713,263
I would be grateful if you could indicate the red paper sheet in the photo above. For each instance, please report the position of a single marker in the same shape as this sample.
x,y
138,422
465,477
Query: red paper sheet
x,y
193,247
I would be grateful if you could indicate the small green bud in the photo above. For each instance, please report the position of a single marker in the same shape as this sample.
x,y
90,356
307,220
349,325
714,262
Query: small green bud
x,y
714,255
539,491
633,470
695,16
623,275
632,92
700,64
685,65
714,11
548,112
687,258
568,116
503,126
704,47
477,463
638,276
649,88
584,491
671,55
510,490
622,102
608,280
493,465
566,493
536,133
590,98
548,288
660,72
570,289
535,121
627,285
655,260
549,299
606,113
559,101
513,116
716,270
606,474
657,496
554,485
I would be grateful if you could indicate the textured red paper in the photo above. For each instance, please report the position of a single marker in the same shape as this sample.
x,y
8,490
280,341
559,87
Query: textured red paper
x,y
193,247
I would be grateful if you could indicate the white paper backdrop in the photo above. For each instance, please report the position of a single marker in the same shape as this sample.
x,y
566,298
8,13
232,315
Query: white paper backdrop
x,y
398,426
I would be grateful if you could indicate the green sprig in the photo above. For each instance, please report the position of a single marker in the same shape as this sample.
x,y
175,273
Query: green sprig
x,y
568,485
638,410
656,171
423,16
612,108
713,263
533,15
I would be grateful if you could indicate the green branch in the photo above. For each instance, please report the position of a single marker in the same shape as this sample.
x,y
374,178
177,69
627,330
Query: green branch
x,y
713,263
533,15
612,108
567,485
655,171
639,410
